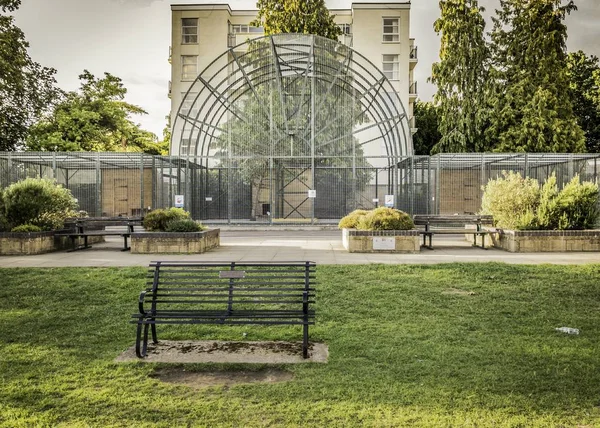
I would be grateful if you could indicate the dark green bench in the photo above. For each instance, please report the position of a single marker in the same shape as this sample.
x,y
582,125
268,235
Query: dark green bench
x,y
453,225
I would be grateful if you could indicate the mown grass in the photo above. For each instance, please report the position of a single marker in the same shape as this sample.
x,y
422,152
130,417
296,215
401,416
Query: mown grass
x,y
408,347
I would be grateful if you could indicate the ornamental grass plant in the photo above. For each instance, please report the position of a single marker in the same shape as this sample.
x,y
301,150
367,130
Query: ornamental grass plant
x,y
521,203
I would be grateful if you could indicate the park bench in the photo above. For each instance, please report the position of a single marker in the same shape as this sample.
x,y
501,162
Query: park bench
x,y
97,226
453,224
228,293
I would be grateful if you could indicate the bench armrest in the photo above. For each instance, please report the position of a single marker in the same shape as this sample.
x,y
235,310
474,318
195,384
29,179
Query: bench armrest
x,y
141,303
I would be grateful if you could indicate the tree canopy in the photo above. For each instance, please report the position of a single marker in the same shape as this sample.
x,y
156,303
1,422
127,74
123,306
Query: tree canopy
x,y
27,89
584,79
95,118
460,76
427,117
531,110
296,16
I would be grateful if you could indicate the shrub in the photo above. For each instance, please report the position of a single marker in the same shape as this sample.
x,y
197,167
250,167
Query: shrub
x,y
577,205
157,220
384,218
26,228
38,201
519,203
184,225
512,200
352,219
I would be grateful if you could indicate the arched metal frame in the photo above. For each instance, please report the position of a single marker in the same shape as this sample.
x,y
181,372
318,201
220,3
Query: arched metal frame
x,y
307,99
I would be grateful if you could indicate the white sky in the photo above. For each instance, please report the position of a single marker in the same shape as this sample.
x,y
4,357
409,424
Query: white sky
x,y
130,39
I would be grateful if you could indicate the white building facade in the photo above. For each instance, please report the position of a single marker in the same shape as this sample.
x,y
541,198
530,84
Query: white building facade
x,y
378,31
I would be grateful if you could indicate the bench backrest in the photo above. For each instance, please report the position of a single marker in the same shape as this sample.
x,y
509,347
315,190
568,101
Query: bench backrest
x,y
463,219
108,221
230,286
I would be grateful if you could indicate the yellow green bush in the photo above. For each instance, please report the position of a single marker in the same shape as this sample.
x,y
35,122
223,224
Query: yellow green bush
x,y
352,219
520,203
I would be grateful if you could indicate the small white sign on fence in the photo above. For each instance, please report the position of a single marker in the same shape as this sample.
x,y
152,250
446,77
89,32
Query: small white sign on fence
x,y
178,201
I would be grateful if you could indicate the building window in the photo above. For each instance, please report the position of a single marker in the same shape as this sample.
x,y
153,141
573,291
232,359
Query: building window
x,y
189,31
189,107
245,29
346,28
390,66
390,30
189,67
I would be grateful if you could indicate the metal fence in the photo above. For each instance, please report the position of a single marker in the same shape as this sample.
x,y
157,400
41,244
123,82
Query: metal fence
x,y
129,184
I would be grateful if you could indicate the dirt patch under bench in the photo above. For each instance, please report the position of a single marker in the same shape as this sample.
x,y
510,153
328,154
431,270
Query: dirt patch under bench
x,y
212,351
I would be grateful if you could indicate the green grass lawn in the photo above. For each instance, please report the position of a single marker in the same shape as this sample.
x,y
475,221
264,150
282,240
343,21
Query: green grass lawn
x,y
408,347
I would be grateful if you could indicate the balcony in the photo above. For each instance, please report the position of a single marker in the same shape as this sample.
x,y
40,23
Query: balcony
x,y
413,54
170,89
412,91
413,126
170,54
231,40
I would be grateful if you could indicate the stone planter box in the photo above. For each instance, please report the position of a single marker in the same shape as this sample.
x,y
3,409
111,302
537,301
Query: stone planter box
x,y
381,241
538,241
23,243
175,242
31,243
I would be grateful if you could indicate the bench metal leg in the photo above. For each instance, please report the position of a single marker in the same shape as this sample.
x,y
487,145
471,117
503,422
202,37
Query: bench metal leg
x,y
141,348
125,247
305,341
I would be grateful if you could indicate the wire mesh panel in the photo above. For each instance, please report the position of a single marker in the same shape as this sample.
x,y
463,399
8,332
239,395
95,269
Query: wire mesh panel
x,y
290,188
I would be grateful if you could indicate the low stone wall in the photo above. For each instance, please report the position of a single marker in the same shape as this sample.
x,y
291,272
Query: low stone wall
x,y
538,241
175,242
21,243
382,241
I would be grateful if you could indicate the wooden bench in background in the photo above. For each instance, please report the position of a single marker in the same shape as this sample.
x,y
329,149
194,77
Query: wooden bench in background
x,y
97,226
452,225
231,293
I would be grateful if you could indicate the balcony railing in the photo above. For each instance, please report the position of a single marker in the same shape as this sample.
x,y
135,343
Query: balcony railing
x,y
412,89
170,88
414,53
170,54
231,40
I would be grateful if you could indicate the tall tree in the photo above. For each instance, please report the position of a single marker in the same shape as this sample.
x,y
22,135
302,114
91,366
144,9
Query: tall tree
x,y
296,16
93,119
427,122
460,76
26,88
530,102
584,78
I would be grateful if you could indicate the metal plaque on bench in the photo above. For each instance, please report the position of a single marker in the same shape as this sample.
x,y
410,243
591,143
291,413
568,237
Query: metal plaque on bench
x,y
384,243
232,274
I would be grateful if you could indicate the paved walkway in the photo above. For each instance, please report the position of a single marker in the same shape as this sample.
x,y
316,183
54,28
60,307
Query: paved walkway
x,y
321,246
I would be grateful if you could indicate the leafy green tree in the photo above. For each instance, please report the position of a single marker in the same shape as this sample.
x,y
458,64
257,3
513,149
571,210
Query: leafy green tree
x,y
26,88
461,76
427,123
584,77
296,16
529,97
95,118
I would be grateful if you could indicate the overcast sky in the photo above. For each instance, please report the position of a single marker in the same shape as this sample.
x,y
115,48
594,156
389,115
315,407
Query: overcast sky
x,y
130,39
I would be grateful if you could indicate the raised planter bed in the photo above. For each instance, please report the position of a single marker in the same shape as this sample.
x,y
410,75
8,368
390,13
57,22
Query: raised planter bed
x,y
381,241
175,242
31,243
537,241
